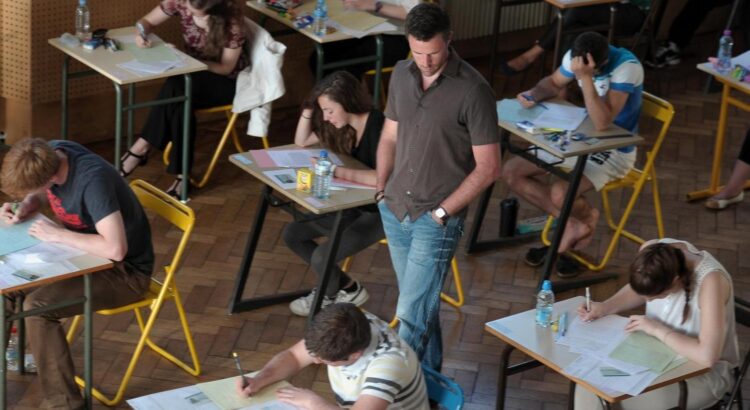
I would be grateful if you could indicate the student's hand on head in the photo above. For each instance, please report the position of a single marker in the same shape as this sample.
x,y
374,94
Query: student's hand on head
x,y
597,311
526,102
644,324
247,387
302,398
46,231
582,69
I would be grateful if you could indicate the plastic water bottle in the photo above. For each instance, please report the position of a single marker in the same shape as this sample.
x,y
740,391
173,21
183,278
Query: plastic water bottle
x,y
724,56
545,300
11,352
322,180
83,21
320,15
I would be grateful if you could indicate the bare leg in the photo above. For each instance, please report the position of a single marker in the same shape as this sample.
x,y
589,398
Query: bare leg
x,y
736,183
523,61
520,175
583,217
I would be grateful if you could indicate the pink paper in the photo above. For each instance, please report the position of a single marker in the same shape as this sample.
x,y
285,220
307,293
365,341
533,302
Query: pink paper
x,y
262,158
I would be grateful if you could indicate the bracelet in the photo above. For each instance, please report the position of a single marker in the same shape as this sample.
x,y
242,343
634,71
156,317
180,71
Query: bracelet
x,y
307,118
378,6
379,195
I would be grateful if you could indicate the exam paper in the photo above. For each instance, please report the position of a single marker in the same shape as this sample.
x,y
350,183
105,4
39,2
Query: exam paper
x,y
285,178
566,117
587,368
223,394
298,158
16,237
640,349
190,397
512,111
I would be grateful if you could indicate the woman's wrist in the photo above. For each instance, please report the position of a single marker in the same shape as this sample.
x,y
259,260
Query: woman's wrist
x,y
307,113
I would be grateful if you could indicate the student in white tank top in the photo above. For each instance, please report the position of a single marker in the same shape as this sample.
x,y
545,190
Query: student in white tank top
x,y
690,307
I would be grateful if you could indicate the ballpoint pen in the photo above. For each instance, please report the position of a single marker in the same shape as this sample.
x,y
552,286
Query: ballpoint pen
x,y
239,368
588,299
564,324
530,98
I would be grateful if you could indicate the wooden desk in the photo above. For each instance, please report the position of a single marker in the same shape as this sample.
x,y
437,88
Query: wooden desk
x,y
268,12
560,6
338,202
106,63
729,84
85,265
574,149
520,332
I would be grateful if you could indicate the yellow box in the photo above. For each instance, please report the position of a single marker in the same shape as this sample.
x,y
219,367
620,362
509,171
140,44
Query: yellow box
x,y
304,179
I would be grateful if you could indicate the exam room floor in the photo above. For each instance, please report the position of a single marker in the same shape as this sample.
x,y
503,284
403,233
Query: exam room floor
x,y
497,283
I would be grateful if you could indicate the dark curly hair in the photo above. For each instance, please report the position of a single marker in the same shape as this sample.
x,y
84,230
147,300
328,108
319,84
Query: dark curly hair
x,y
338,331
224,14
595,44
427,20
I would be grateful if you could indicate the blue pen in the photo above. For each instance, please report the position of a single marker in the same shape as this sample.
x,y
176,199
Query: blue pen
x,y
529,98
562,326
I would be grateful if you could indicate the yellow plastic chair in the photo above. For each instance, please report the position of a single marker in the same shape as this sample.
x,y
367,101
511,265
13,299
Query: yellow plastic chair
x,y
455,302
183,218
229,130
660,110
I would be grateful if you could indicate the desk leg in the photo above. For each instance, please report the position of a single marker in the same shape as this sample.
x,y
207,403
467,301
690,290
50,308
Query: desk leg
x,y
378,70
495,36
720,135
186,137
330,263
571,395
562,220
87,347
612,17
237,304
3,370
118,125
502,378
558,39
319,66
131,100
683,395
64,99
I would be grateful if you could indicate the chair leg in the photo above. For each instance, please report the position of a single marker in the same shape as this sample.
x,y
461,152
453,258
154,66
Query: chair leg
x,y
347,264
459,287
73,328
657,204
217,153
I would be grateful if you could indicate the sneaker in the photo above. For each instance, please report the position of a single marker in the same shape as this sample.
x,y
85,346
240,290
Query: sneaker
x,y
358,296
664,55
535,256
301,306
567,267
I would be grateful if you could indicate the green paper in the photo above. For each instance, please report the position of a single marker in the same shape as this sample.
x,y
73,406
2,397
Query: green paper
x,y
644,350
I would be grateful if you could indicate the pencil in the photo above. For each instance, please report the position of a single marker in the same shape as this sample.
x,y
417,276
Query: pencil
x,y
239,368
588,299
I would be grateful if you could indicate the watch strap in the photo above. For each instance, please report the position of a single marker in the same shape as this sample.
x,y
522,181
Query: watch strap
x,y
378,6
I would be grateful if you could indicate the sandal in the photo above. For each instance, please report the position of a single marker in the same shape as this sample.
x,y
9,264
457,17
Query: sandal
x,y
142,160
175,190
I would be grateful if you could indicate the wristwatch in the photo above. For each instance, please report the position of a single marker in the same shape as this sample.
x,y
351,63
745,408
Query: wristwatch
x,y
378,6
441,214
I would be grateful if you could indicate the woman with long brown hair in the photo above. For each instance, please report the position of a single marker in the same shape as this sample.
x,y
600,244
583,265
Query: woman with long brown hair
x,y
689,302
338,114
213,32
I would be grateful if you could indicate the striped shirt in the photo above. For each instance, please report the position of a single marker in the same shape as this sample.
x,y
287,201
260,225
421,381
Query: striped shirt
x,y
388,369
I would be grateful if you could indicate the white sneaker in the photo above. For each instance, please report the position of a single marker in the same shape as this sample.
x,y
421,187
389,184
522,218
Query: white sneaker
x,y
358,296
301,306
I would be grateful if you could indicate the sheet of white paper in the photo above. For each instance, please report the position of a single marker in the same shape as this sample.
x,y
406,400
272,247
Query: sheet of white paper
x,y
742,59
298,158
383,27
140,68
43,252
271,405
587,368
342,183
190,397
285,178
566,117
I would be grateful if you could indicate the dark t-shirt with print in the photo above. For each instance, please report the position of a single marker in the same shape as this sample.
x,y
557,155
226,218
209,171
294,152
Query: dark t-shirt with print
x,y
94,190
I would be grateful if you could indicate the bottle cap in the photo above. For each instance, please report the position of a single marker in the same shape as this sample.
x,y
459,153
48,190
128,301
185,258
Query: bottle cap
x,y
323,154
546,285
81,2
727,32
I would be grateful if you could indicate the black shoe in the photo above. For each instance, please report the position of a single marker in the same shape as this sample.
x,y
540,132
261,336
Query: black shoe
x,y
506,69
142,160
536,256
567,267
175,190
667,54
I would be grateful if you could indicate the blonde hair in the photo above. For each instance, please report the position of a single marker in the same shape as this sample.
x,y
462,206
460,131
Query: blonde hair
x,y
28,166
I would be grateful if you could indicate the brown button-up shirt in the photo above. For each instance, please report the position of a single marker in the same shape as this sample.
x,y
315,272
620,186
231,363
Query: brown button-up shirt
x,y
436,131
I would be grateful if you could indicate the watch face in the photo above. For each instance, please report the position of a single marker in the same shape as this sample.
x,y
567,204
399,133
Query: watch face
x,y
440,213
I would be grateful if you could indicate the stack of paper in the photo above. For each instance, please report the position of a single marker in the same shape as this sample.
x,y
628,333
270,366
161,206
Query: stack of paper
x,y
640,358
152,60
545,115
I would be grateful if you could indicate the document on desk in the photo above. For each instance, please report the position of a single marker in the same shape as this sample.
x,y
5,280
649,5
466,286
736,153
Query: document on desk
x,y
742,59
190,397
16,237
223,394
293,158
587,368
285,178
566,117
511,110
641,349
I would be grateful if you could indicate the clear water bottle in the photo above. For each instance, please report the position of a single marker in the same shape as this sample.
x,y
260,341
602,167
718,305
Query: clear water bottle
x,y
11,352
545,300
320,15
83,21
724,56
322,179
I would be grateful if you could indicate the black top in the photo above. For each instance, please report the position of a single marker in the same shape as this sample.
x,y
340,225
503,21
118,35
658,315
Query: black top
x,y
367,150
94,190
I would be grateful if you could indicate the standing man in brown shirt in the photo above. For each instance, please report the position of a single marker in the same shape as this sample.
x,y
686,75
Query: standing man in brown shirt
x,y
439,149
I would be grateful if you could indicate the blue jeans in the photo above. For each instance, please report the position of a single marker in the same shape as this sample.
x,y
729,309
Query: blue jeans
x,y
421,252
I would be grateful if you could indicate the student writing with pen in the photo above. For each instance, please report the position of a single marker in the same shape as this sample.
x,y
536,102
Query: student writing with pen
x,y
369,366
611,81
689,307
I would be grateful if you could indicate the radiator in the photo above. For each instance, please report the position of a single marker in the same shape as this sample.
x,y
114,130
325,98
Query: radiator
x,y
473,18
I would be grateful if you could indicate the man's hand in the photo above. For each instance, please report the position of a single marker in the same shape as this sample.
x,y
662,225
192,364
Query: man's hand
x,y
435,218
302,398
363,5
582,69
247,386
526,100
46,231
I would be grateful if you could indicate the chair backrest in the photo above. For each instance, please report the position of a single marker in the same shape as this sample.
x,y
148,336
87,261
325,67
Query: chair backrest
x,y
741,316
170,209
662,111
442,390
